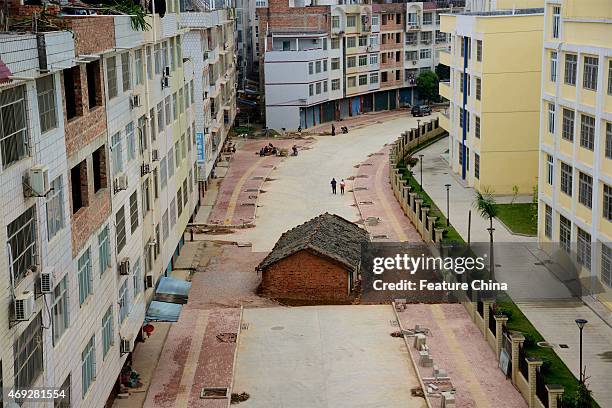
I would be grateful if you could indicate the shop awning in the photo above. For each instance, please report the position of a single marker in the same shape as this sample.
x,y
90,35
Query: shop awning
x,y
163,312
172,290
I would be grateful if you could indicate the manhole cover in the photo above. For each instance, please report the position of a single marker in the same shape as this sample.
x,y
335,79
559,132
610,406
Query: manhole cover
x,y
366,202
563,346
214,392
359,188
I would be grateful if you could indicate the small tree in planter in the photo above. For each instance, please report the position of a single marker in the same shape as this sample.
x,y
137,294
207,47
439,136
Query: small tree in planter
x,y
411,161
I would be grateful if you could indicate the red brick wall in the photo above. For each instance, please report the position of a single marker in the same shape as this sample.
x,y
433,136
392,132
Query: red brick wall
x,y
93,35
305,276
89,219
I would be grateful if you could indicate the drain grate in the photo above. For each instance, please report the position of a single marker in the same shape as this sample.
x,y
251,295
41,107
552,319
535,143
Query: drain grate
x,y
268,166
359,188
247,204
252,197
244,326
380,236
362,176
251,190
366,202
257,178
563,346
365,164
214,393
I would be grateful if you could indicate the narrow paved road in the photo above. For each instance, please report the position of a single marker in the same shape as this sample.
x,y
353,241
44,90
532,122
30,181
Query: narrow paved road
x,y
300,187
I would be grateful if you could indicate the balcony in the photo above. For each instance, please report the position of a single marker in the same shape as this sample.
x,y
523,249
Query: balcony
x,y
445,90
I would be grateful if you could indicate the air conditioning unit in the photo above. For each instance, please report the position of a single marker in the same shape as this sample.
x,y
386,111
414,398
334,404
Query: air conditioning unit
x,y
121,182
165,82
145,169
124,266
125,346
46,281
24,306
155,155
39,180
149,283
135,101
369,48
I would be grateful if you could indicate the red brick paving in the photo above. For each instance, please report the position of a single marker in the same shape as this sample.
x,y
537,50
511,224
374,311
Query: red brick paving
x,y
373,175
247,158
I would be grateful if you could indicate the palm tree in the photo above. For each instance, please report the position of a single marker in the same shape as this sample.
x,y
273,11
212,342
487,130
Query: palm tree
x,y
485,204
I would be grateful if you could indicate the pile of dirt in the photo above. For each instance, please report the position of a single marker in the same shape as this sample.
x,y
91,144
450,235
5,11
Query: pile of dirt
x,y
397,334
238,398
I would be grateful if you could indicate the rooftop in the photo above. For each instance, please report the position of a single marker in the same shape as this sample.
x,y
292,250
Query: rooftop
x,y
514,12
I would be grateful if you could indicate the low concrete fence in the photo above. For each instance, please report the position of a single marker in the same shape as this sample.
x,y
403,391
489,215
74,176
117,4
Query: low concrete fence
x,y
524,372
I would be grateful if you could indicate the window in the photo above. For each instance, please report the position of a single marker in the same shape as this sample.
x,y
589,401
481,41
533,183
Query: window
x,y
373,59
165,226
78,180
425,53
324,86
310,89
120,228
168,109
107,331
28,354
170,163
137,278
185,192
587,131
59,310
478,88
551,118
131,142
45,88
22,243
427,18
476,165
547,221
571,66
567,131
609,140
111,77
335,43
363,80
363,60
610,77
566,178
55,208
335,21
374,78
146,197
351,82
98,158
139,74
478,50
104,252
72,92
149,63
350,21
117,153
565,233
335,64
363,40
174,106
318,67
550,169
335,84
14,130
553,66
350,62
88,365
583,248
556,16
163,173
606,265
477,126
160,117
125,71
607,202
85,276
133,212
585,189
350,42
123,301
589,80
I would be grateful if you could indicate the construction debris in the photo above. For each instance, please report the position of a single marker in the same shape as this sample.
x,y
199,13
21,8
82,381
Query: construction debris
x,y
238,398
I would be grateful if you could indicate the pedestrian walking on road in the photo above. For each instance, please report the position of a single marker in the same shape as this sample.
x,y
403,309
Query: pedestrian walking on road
x,y
333,184
342,185
333,130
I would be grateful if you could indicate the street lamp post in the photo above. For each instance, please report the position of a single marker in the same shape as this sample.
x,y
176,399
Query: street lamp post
x,y
447,204
418,127
421,160
581,323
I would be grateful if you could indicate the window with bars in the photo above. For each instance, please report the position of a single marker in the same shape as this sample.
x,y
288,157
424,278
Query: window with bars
x,y
478,88
104,252
556,21
606,265
585,189
565,233
170,163
85,276
551,118
63,401
567,129
14,143
124,306
45,88
566,178
168,109
117,152
138,67
553,66
587,131
125,71
160,117
583,248
55,208
478,50
146,197
133,212
165,226
477,165
609,140
163,173
111,77
175,107
185,192
550,169
548,220
172,210
120,228
22,244
131,142
571,67
88,366
108,336
589,80
607,202
137,278
59,310
610,77
477,126
28,354
179,202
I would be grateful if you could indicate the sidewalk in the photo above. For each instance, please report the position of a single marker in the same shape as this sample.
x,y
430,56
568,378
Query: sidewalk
x,y
541,296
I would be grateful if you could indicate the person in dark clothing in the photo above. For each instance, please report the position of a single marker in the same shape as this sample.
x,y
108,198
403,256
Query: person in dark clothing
x,y
333,184
333,130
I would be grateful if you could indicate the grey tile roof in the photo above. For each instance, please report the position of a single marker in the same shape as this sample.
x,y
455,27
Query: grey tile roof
x,y
328,235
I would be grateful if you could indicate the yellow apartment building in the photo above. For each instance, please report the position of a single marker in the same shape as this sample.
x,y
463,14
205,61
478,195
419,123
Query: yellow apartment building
x,y
575,182
494,94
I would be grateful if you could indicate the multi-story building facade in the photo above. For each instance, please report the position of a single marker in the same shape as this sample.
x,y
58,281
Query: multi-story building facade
x,y
209,44
575,181
493,94
99,174
331,60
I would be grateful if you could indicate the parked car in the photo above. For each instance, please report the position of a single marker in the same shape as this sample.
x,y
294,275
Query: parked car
x,y
421,110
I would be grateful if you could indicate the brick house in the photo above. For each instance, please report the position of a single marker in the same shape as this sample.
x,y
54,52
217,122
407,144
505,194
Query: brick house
x,y
315,261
